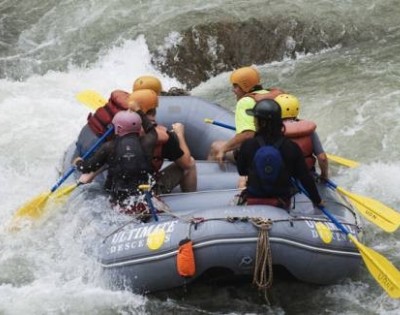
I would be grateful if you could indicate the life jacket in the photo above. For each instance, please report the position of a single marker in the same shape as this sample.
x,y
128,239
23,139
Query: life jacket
x,y
162,138
300,131
272,93
268,176
102,117
129,167
153,142
271,201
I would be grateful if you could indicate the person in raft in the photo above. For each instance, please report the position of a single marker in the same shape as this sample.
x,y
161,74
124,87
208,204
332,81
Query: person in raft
x,y
128,165
159,144
162,144
247,87
270,161
303,133
99,121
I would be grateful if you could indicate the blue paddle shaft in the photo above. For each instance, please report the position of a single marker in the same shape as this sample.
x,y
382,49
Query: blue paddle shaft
x,y
217,123
84,157
334,220
324,210
330,183
150,203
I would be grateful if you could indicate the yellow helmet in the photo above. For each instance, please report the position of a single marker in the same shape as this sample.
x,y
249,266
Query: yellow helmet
x,y
146,99
246,78
289,104
147,82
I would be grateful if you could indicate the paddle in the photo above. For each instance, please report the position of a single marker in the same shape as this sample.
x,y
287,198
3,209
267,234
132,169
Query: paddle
x,y
91,99
342,161
94,100
334,158
384,272
218,123
386,218
376,212
35,207
146,189
62,193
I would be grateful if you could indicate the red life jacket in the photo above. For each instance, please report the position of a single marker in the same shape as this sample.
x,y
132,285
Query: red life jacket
x,y
300,131
102,117
273,201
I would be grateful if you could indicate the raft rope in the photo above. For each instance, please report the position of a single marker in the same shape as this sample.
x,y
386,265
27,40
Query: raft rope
x,y
263,273
136,219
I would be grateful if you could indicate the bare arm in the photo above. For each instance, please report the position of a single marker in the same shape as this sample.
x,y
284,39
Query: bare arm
x,y
185,161
237,140
232,144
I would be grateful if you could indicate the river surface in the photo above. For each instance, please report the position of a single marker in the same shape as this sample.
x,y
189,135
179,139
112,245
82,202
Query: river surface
x,y
341,58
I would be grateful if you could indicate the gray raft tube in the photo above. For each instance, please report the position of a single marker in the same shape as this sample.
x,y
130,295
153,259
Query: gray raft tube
x,y
191,111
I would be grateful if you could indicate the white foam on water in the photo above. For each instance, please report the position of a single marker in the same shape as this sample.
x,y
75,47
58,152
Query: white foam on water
x,y
40,118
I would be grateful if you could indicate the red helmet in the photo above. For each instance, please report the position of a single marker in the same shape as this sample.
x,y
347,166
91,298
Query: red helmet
x,y
126,122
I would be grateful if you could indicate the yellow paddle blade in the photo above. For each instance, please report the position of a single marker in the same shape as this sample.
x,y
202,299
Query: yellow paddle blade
x,y
34,208
387,275
324,232
60,194
376,212
343,161
91,99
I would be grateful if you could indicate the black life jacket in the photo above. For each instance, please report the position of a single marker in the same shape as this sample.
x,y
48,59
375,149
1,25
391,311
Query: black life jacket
x,y
268,176
130,166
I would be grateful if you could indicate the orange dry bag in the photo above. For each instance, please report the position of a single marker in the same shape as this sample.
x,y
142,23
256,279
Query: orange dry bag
x,y
185,259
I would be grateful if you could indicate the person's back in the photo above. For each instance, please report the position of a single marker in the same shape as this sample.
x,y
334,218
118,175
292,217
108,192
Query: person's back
x,y
289,162
268,174
128,164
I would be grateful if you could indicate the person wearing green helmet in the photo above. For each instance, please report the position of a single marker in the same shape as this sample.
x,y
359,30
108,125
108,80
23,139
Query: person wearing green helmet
x,y
248,90
270,161
303,133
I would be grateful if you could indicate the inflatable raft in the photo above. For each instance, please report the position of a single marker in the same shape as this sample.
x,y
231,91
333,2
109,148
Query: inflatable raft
x,y
227,240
